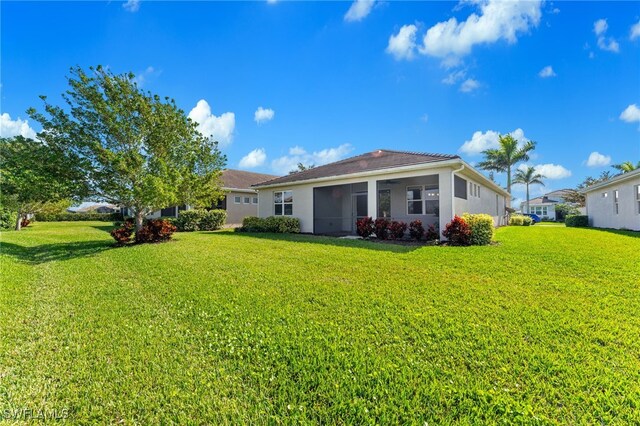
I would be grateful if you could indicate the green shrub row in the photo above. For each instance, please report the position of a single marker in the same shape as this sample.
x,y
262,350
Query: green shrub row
x,y
520,220
481,226
77,217
7,219
275,224
576,220
200,220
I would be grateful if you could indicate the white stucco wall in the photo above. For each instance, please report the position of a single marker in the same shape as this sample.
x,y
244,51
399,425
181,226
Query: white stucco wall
x,y
601,210
486,202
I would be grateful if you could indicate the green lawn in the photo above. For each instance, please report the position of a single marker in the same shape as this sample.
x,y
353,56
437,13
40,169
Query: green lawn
x,y
211,328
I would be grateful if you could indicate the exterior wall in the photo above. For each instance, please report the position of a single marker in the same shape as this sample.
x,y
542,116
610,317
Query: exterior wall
x,y
601,209
236,212
399,197
485,203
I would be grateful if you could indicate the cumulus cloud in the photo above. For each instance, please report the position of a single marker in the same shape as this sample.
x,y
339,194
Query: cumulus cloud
x,y
489,140
498,20
609,44
298,154
255,158
631,114
359,10
10,128
403,44
598,160
469,85
454,77
635,31
262,115
131,5
142,77
219,128
547,72
549,171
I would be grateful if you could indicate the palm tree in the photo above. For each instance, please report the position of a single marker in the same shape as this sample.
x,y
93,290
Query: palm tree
x,y
627,166
504,158
528,176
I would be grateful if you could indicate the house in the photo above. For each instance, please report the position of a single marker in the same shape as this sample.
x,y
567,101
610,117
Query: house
x,y
545,206
95,208
615,203
240,200
396,185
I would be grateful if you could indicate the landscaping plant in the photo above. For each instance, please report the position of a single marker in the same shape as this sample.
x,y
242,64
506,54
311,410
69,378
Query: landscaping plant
x,y
577,220
124,233
381,226
155,231
397,229
274,224
416,230
431,234
364,227
457,232
481,226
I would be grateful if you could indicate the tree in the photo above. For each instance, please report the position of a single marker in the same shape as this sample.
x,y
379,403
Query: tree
x,y
626,167
35,175
528,176
138,150
576,197
504,158
302,167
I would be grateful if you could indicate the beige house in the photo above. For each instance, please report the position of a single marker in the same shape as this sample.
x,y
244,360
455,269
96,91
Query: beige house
x,y
241,199
615,203
391,184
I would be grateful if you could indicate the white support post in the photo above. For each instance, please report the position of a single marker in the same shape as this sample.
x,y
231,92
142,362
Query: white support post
x,y
372,198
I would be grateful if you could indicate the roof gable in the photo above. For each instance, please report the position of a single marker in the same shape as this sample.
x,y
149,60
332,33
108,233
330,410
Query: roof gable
x,y
240,179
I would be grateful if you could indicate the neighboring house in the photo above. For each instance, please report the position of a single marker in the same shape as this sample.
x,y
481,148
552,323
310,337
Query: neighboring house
x,y
545,206
391,184
96,208
615,203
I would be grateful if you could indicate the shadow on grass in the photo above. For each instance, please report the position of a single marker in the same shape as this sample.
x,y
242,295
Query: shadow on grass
x,y
105,228
626,233
332,241
54,252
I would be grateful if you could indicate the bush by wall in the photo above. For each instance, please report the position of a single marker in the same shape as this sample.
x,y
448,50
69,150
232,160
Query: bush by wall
x,y
7,219
155,231
457,232
364,227
397,230
77,217
416,230
481,226
200,220
576,220
381,226
275,224
431,234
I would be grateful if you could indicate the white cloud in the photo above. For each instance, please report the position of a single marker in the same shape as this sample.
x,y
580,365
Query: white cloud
x,y
10,128
498,20
298,154
635,31
469,85
219,128
142,77
598,160
131,5
262,115
609,44
255,158
547,72
631,114
359,10
454,77
549,171
272,1
403,44
489,140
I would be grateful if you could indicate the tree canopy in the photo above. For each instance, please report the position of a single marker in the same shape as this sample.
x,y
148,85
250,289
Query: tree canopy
x,y
509,153
138,150
527,177
626,167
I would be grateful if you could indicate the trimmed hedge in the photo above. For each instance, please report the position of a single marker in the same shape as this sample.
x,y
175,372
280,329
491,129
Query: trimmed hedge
x,y
200,220
275,224
576,220
520,220
78,217
481,226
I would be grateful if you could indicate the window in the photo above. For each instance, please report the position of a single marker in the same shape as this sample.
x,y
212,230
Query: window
x,y
604,195
539,210
384,203
283,202
497,203
247,200
431,200
237,199
254,200
638,197
459,187
615,202
414,200
478,191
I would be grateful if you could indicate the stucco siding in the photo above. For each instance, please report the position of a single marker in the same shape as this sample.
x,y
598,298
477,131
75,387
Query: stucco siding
x,y
601,209
481,199
238,211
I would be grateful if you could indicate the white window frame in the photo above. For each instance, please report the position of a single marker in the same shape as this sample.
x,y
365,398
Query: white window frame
x,y
246,200
237,199
421,199
282,202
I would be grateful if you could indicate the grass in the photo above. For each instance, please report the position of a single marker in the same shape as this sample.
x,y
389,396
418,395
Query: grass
x,y
231,328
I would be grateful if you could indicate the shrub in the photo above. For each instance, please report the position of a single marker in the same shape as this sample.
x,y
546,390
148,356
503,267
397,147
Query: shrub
x,y
381,226
397,230
431,234
77,217
364,227
576,220
24,222
7,219
416,230
275,224
481,226
155,231
123,234
189,220
212,220
527,221
457,232
516,220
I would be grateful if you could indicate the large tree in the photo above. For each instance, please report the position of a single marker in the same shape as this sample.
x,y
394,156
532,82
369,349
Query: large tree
x,y
35,175
502,159
626,167
576,197
139,150
527,177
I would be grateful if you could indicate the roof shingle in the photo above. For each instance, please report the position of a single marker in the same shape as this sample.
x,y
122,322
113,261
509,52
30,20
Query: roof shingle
x,y
239,179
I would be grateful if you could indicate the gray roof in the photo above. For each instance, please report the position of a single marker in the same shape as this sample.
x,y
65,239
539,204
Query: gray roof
x,y
239,179
551,197
376,160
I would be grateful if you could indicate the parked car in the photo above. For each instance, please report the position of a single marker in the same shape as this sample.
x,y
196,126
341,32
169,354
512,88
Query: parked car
x,y
534,217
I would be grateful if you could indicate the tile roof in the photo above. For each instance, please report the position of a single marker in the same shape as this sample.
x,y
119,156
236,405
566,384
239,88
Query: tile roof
x,y
239,179
376,160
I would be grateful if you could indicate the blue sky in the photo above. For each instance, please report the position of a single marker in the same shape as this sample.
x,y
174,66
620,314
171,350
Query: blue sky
x,y
282,82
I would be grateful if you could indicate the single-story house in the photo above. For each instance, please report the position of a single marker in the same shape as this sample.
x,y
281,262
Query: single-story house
x,y
396,185
615,203
545,206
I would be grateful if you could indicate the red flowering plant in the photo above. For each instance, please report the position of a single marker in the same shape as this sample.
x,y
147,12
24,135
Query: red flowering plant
x,y
431,234
397,230
458,232
364,227
416,230
155,231
381,226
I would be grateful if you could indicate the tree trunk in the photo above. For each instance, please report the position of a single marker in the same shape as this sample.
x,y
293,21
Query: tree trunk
x,y
509,180
139,219
19,222
528,208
